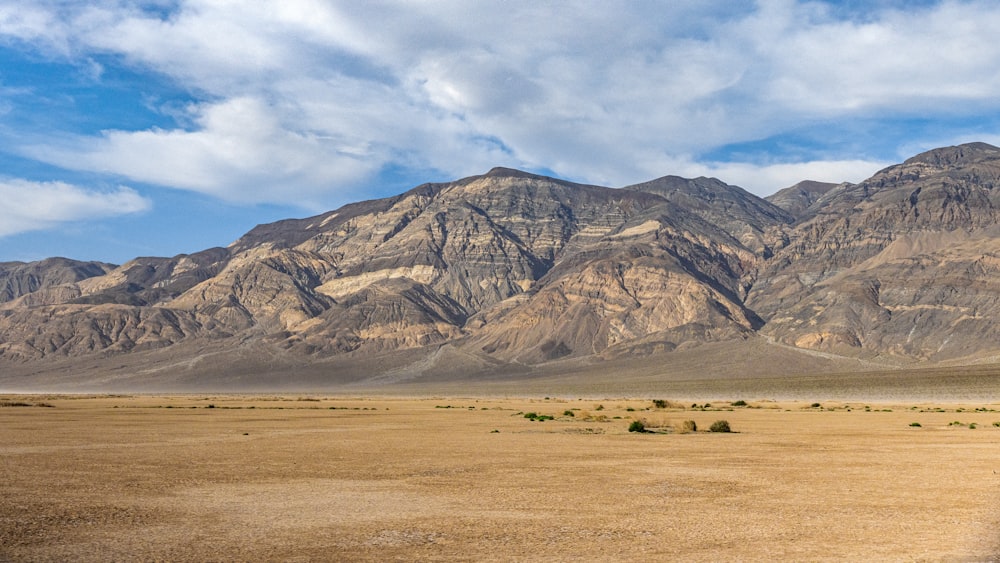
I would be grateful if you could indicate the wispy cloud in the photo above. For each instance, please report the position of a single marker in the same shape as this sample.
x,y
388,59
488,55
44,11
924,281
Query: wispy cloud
x,y
301,100
31,206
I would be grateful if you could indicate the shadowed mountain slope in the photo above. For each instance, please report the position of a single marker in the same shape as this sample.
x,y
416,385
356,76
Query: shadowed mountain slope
x,y
511,271
507,265
903,263
798,199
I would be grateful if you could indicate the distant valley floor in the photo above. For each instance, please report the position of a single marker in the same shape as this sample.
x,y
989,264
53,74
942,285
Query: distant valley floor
x,y
314,477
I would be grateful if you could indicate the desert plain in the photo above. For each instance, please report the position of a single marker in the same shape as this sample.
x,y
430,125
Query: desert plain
x,y
361,478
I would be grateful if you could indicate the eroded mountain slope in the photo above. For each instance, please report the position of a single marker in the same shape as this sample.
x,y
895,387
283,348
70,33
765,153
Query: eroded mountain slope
x,y
903,263
508,264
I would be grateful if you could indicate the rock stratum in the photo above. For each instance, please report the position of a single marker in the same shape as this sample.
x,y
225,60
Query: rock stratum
x,y
510,271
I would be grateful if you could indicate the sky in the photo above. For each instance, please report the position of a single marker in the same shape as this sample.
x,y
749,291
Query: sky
x,y
162,127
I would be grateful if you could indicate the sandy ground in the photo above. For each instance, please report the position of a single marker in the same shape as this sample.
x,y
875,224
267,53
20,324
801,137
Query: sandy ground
x,y
316,478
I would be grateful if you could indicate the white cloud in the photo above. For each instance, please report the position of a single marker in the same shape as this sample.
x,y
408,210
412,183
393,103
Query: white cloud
x,y
239,152
902,61
31,206
765,179
302,100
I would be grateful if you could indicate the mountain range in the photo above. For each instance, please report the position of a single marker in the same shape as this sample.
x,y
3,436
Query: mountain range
x,y
514,272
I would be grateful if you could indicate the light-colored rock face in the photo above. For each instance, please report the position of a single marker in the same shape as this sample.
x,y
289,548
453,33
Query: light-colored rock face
x,y
903,264
512,267
492,261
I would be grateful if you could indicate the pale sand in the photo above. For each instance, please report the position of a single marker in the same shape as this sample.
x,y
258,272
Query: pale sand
x,y
123,478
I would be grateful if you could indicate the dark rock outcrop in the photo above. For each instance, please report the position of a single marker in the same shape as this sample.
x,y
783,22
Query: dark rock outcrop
x,y
511,268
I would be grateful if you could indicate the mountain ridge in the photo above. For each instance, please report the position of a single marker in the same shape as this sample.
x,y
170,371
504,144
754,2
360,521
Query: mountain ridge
x,y
511,268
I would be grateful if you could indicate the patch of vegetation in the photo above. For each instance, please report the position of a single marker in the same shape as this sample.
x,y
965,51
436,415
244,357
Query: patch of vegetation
x,y
637,426
568,413
915,424
816,406
599,408
688,426
533,416
972,426
720,426
739,403
15,404
660,403
997,424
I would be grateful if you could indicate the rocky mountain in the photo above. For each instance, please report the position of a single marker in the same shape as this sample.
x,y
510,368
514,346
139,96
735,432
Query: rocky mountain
x,y
743,215
798,199
902,264
514,269
510,265
18,279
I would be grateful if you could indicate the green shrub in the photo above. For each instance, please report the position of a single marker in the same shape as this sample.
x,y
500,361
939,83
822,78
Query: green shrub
x,y
720,426
817,405
637,426
531,415
739,403
997,424
915,424
972,426
568,413
660,403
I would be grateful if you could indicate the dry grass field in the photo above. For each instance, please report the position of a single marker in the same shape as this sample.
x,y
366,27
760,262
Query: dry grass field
x,y
220,478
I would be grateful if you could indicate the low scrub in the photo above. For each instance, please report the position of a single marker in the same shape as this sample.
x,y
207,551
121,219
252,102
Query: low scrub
x,y
687,427
720,426
23,404
637,426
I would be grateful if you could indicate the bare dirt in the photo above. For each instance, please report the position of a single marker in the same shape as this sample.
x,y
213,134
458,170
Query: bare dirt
x,y
221,478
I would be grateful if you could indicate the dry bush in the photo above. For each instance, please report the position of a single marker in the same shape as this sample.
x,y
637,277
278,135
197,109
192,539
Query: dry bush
x,y
665,404
656,422
687,427
720,426
587,417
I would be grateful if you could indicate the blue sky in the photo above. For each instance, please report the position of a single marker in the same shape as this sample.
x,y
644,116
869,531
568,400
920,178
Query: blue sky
x,y
163,127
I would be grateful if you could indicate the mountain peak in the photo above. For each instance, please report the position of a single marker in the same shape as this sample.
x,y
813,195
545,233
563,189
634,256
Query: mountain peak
x,y
503,172
798,198
956,155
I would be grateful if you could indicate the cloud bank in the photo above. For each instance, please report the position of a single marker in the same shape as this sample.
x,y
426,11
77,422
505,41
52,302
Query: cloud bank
x,y
308,101
31,206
